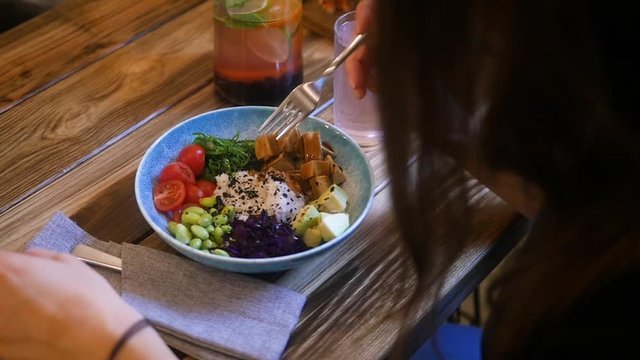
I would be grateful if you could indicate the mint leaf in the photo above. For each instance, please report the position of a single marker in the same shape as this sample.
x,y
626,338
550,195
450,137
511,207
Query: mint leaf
x,y
244,21
234,3
252,18
236,24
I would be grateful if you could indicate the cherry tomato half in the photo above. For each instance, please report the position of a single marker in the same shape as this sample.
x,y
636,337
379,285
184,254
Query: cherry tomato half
x,y
207,187
194,194
177,171
193,155
168,195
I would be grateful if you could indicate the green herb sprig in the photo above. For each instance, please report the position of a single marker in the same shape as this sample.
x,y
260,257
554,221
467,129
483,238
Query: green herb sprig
x,y
225,156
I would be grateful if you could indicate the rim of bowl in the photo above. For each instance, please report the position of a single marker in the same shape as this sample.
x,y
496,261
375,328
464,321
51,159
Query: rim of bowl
x,y
237,260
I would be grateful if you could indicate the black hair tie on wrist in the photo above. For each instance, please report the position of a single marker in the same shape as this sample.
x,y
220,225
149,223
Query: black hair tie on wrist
x,y
132,330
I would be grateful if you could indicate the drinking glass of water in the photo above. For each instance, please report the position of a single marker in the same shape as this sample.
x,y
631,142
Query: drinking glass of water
x,y
357,117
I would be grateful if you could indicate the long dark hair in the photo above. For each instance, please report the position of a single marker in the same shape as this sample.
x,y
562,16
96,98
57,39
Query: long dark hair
x,y
541,89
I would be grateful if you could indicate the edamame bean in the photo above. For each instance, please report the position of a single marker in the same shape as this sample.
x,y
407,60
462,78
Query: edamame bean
x,y
208,201
172,227
220,252
217,234
221,219
195,209
200,232
183,234
205,220
213,211
230,211
226,228
195,243
190,217
207,244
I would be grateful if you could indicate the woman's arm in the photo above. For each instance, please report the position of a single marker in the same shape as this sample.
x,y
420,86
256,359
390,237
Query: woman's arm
x,y
54,306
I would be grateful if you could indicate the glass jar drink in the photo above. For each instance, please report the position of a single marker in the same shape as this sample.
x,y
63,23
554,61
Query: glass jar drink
x,y
258,50
357,117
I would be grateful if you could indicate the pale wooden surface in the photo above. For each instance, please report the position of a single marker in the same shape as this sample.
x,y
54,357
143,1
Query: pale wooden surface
x,y
103,101
122,72
71,35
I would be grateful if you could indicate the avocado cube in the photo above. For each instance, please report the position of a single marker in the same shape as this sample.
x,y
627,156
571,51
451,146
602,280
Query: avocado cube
x,y
312,237
307,217
332,225
333,200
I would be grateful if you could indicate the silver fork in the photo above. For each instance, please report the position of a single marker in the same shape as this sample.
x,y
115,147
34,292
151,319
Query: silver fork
x,y
304,98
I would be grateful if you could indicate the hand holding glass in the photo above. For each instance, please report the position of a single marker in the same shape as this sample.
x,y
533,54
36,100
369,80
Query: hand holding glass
x,y
357,117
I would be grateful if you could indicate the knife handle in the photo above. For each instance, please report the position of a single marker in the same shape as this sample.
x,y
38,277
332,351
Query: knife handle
x,y
96,257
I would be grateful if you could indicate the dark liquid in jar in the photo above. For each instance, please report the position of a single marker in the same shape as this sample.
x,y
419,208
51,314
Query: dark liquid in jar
x,y
270,91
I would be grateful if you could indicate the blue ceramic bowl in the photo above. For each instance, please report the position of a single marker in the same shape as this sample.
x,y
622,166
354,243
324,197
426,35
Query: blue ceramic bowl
x,y
245,120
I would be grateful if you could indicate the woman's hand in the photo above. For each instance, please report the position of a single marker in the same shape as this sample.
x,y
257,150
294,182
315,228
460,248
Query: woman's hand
x,y
358,65
55,307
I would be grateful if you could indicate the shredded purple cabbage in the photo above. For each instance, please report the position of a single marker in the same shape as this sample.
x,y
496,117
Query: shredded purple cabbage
x,y
262,236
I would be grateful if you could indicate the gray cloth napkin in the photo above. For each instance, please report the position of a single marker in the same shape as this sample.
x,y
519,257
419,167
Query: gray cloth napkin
x,y
203,312
61,234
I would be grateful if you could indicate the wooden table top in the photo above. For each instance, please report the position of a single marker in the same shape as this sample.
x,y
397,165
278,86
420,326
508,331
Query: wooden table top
x,y
87,86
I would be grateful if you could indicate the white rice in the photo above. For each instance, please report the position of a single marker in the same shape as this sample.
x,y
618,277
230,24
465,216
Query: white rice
x,y
252,193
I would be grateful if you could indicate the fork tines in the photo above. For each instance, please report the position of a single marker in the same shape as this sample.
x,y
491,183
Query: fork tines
x,y
281,121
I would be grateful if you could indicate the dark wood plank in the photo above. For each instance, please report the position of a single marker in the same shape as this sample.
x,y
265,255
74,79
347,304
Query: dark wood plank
x,y
64,124
105,218
458,292
154,241
72,35
356,292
